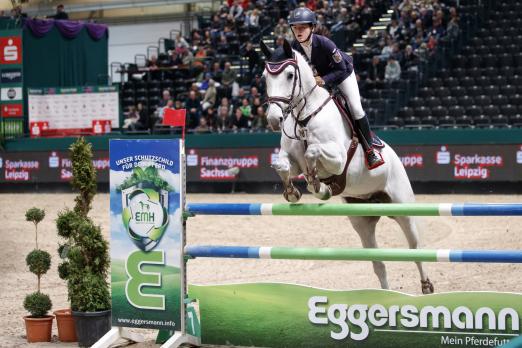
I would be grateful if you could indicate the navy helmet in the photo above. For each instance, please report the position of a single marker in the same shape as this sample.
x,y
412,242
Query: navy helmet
x,y
302,15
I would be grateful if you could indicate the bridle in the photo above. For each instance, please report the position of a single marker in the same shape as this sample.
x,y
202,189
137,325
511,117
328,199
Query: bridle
x,y
275,68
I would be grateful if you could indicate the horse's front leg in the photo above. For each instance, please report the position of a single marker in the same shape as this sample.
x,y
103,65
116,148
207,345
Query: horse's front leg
x,y
284,168
332,157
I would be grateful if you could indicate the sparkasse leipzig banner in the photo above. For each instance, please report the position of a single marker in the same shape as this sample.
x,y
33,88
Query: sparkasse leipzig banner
x,y
146,226
423,163
11,78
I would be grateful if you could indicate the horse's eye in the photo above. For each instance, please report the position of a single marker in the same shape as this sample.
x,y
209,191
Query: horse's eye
x,y
290,76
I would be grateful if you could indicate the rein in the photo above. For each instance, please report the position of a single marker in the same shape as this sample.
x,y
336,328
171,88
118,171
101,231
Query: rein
x,y
275,68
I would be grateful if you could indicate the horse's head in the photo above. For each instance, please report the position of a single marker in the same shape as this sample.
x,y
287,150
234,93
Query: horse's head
x,y
283,83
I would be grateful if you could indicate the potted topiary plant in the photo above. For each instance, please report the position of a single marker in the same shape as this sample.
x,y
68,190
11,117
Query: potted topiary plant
x,y
86,253
38,325
64,318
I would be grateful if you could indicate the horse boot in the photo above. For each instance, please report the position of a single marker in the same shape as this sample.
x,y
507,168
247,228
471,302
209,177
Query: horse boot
x,y
373,157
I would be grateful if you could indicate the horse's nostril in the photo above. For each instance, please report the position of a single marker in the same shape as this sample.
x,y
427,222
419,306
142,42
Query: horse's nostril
x,y
281,119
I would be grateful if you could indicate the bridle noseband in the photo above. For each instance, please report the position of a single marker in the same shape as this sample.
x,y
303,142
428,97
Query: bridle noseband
x,y
275,68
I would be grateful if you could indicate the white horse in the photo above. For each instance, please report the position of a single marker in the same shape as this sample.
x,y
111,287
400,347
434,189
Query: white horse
x,y
316,141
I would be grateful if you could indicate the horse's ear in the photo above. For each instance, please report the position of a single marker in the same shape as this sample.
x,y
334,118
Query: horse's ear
x,y
266,51
288,49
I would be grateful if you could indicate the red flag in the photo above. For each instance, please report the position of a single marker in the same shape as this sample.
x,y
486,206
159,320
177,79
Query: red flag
x,y
175,118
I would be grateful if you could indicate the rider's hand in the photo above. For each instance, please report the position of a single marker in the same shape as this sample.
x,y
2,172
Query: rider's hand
x,y
319,80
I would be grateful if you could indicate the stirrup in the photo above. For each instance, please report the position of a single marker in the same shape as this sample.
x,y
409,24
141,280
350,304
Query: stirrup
x,y
379,161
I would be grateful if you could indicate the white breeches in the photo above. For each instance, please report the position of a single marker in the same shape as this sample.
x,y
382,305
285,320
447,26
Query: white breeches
x,y
350,90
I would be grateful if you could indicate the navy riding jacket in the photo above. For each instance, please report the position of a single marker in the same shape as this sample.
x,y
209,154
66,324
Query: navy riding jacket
x,y
332,64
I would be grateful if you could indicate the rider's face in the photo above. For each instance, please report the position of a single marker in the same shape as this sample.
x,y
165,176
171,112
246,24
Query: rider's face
x,y
302,31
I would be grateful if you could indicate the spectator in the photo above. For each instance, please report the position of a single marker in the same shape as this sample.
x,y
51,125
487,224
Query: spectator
x,y
423,52
254,93
256,103
175,57
253,20
236,10
237,98
161,113
283,29
209,100
143,120
202,126
152,65
178,104
239,121
376,71
187,58
246,109
223,47
410,60
223,122
165,97
453,28
210,115
180,42
17,13
253,59
392,71
216,73
279,41
260,121
228,80
193,106
131,118
223,105
393,29
60,13
388,49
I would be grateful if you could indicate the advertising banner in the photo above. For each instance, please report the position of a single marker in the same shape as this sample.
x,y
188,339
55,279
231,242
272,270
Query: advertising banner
x,y
146,226
423,163
70,111
11,79
299,316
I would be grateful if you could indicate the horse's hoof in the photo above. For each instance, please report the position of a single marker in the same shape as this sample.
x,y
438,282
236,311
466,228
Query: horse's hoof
x,y
292,196
325,194
427,286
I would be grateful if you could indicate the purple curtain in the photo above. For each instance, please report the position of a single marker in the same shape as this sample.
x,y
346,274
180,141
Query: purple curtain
x,y
97,31
68,29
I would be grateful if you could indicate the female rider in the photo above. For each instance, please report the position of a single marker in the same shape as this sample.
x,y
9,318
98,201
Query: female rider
x,y
334,68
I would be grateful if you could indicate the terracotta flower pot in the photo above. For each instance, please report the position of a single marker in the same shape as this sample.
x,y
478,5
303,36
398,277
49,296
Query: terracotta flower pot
x,y
39,329
66,327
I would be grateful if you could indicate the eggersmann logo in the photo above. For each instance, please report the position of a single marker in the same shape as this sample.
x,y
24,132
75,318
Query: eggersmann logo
x,y
354,321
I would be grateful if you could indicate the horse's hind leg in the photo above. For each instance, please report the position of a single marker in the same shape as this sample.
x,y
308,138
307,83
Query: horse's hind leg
x,y
365,227
284,169
409,227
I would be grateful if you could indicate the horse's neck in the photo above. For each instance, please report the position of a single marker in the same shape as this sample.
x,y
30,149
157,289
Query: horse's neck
x,y
317,97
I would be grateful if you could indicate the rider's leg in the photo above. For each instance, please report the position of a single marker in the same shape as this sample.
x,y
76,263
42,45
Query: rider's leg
x,y
350,90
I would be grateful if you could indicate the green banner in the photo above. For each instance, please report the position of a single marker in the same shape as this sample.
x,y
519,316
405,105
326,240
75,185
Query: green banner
x,y
284,315
146,227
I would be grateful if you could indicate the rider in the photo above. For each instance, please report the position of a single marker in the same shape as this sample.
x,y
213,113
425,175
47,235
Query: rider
x,y
334,68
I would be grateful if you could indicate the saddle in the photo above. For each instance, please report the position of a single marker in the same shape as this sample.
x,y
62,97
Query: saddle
x,y
337,183
342,105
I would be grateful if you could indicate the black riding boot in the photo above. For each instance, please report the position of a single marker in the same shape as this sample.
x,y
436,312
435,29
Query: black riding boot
x,y
373,157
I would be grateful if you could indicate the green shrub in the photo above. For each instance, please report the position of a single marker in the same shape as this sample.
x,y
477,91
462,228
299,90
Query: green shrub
x,y
85,252
67,223
38,304
35,215
63,270
39,261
